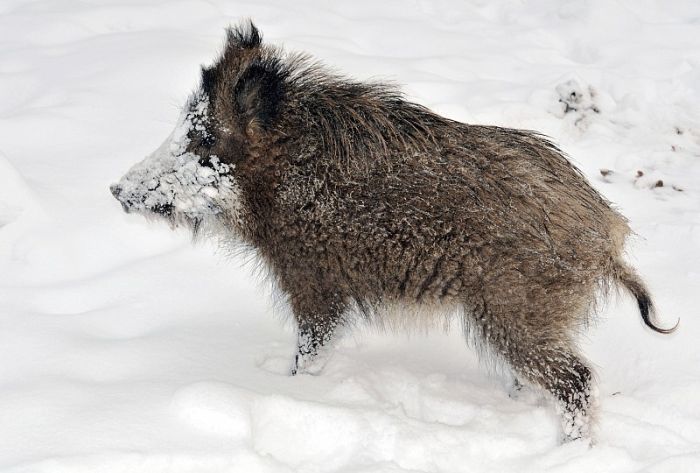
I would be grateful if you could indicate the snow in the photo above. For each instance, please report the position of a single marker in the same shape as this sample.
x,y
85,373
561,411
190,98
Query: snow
x,y
126,348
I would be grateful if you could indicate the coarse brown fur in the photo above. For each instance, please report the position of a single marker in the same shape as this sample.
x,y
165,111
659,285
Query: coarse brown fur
x,y
355,198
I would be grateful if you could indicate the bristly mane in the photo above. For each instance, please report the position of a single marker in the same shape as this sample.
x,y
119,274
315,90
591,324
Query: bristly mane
x,y
376,117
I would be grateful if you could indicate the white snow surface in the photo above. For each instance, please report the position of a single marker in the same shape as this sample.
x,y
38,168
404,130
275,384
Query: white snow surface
x,y
125,348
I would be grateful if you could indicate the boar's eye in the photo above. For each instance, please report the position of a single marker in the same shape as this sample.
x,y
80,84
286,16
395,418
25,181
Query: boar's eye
x,y
206,162
208,140
201,140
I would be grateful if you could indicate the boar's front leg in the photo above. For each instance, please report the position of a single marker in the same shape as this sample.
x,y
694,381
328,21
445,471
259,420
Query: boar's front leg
x,y
318,317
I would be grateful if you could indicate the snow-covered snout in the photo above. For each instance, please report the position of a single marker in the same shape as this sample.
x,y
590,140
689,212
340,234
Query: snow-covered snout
x,y
182,180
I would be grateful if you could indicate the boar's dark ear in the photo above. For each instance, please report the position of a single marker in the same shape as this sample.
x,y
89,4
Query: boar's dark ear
x,y
259,93
246,35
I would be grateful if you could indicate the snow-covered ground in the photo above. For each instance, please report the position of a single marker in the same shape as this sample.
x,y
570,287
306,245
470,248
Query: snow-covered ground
x,y
124,348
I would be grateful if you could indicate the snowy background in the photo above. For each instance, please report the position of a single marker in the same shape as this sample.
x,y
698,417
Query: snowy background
x,y
124,348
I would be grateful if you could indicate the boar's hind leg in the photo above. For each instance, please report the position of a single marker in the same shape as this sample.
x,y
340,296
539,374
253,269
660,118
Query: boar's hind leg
x,y
567,378
544,357
317,320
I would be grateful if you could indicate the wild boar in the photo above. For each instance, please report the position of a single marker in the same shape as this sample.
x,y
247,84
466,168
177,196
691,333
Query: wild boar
x,y
357,200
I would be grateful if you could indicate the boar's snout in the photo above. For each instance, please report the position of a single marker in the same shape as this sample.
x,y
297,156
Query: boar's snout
x,y
116,189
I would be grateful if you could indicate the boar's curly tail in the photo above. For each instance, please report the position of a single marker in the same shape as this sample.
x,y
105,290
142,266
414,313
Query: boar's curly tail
x,y
628,277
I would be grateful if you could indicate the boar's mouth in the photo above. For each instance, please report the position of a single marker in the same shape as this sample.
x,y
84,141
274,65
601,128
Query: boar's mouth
x,y
130,204
189,195
166,210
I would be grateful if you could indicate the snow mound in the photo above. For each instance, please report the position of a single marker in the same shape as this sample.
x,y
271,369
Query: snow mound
x,y
16,197
215,408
